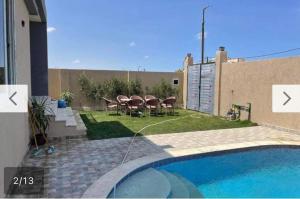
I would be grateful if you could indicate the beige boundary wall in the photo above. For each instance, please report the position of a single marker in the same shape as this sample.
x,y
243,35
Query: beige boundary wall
x,y
64,79
235,83
251,82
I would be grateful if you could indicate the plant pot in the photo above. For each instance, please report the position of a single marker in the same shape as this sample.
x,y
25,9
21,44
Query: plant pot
x,y
61,104
39,139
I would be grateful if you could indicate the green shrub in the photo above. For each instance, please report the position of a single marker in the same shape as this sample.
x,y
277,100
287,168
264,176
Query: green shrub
x,y
164,89
114,87
40,120
135,87
147,90
67,96
90,89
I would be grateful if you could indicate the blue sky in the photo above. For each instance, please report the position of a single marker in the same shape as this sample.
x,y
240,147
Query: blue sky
x,y
157,34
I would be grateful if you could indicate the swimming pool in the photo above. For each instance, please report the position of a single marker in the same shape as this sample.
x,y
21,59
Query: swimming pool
x,y
256,172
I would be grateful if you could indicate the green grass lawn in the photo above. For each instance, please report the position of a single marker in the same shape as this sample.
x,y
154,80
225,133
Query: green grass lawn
x,y
103,125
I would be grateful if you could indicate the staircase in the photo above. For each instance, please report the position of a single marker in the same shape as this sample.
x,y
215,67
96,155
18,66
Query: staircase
x,y
152,183
65,122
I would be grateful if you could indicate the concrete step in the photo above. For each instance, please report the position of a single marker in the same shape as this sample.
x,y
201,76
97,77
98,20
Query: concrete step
x,y
59,129
67,115
66,122
80,123
178,188
193,191
148,183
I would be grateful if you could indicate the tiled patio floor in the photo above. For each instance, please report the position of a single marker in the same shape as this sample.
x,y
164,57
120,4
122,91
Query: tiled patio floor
x,y
78,163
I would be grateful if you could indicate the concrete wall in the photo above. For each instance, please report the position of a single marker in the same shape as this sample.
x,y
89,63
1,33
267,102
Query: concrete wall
x,y
14,130
221,56
39,58
251,82
188,61
63,79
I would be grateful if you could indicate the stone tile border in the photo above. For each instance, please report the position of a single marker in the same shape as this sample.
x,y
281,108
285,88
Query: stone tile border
x,y
279,128
102,187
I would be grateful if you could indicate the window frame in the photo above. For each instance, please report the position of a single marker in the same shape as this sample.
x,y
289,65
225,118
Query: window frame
x,y
10,42
4,37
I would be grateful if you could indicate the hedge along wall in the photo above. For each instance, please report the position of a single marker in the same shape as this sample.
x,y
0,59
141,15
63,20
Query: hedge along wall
x,y
68,79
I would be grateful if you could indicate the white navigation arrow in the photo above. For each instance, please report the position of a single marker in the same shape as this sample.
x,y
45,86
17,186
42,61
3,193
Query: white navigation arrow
x,y
13,98
289,98
286,98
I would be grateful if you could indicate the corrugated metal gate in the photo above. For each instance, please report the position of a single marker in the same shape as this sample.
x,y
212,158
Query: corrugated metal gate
x,y
193,87
201,100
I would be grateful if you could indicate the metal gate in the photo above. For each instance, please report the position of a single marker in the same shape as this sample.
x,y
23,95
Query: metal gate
x,y
193,87
200,96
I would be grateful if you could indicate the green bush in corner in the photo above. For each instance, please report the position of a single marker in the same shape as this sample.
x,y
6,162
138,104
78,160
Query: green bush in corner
x,y
67,96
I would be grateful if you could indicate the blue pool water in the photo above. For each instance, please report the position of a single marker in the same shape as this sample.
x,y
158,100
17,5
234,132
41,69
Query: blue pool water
x,y
264,172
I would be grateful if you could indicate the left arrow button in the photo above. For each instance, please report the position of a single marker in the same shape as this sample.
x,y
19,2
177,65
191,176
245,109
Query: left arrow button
x,y
11,98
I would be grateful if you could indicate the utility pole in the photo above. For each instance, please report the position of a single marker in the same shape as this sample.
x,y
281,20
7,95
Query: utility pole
x,y
202,36
202,54
139,68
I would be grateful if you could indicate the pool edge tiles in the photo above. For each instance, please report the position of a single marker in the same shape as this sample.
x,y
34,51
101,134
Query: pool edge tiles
x,y
104,185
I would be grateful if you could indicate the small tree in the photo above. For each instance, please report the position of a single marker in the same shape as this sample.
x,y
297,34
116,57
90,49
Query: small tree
x,y
91,90
164,89
114,87
147,90
135,87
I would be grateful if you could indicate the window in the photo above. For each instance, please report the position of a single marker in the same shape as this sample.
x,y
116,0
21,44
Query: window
x,y
2,42
7,53
175,81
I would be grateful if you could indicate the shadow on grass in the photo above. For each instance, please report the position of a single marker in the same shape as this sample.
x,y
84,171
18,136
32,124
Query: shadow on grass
x,y
163,114
106,129
114,114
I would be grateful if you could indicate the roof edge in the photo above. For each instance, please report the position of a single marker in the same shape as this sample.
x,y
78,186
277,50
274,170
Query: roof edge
x,y
37,9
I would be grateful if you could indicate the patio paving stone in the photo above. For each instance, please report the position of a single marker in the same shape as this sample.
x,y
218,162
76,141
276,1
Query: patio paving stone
x,y
77,163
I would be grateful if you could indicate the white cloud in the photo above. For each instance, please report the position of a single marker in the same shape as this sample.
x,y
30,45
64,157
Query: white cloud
x,y
198,36
132,44
51,29
146,57
76,61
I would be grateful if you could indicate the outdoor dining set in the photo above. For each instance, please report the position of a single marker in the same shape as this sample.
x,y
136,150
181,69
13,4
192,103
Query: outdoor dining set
x,y
136,104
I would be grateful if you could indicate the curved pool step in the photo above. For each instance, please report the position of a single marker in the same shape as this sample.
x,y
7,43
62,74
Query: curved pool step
x,y
193,191
178,188
148,183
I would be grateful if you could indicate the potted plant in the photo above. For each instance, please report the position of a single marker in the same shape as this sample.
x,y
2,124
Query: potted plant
x,y
68,97
39,119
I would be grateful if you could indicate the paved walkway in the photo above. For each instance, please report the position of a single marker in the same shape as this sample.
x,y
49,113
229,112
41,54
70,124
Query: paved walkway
x,y
78,163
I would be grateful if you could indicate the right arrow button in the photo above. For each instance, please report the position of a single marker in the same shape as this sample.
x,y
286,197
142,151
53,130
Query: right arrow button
x,y
289,98
286,98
